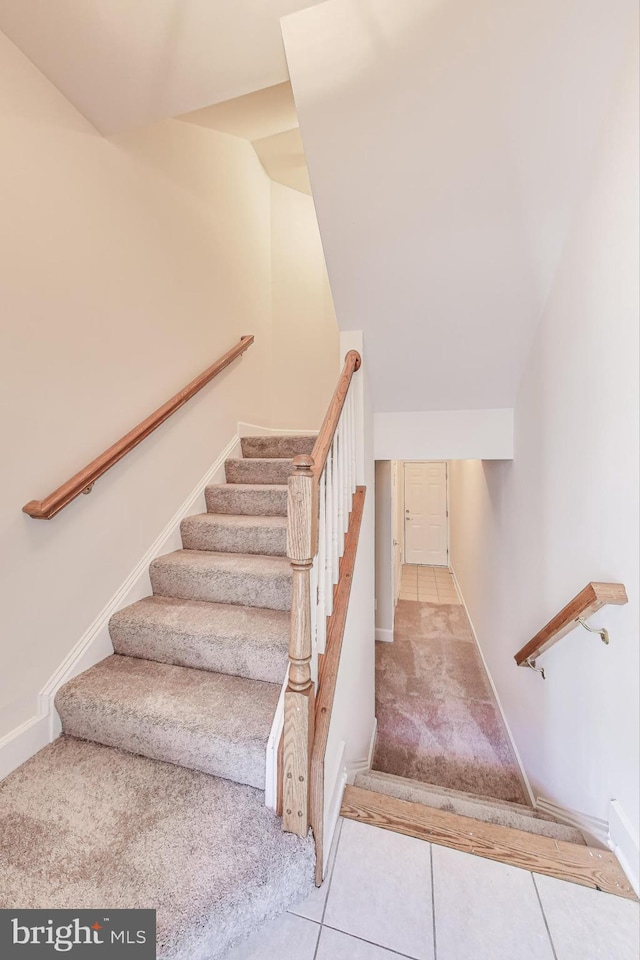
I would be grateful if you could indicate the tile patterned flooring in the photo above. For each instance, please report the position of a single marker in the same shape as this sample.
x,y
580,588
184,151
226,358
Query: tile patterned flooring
x,y
388,896
427,584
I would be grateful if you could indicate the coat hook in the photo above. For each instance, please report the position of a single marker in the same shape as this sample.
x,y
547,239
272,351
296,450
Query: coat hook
x,y
532,665
604,633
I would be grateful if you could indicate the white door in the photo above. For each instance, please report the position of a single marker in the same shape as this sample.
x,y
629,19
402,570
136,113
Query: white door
x,y
425,513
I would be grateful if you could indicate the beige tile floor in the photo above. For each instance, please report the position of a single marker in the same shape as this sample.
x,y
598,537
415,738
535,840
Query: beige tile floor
x,y
427,584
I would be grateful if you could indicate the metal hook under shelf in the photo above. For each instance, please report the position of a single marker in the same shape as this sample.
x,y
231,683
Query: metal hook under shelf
x,y
532,666
604,633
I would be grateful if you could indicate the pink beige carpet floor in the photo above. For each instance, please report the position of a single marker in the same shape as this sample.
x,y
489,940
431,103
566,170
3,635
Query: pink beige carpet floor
x,y
438,720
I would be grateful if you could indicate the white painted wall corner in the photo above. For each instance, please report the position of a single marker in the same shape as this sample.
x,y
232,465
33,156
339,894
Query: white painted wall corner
x,y
594,829
384,635
356,766
623,840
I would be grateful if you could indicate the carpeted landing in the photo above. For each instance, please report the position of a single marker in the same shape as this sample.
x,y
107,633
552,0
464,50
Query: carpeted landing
x,y
88,826
153,797
438,721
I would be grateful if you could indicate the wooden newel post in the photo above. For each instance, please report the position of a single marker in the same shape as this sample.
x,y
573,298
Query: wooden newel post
x,y
299,699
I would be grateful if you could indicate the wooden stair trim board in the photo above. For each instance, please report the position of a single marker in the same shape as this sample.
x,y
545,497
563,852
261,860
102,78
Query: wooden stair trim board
x,y
598,869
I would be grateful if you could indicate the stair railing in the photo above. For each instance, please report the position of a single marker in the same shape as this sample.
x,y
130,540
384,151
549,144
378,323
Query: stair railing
x,y
83,481
320,498
588,601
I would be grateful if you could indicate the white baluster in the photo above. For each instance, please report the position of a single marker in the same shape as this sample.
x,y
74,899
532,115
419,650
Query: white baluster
x,y
328,593
321,624
347,451
354,440
345,469
335,504
313,593
341,503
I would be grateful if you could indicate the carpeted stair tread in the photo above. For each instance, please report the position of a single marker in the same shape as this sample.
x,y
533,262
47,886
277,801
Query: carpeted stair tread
x,y
240,578
249,499
205,721
283,446
265,470
87,826
235,534
502,812
244,641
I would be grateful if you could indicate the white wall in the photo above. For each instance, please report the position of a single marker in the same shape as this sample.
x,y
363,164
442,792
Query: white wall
x,y
444,435
126,267
384,551
305,343
527,536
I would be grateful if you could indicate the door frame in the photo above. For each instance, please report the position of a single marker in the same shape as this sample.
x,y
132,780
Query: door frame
x,y
446,485
397,524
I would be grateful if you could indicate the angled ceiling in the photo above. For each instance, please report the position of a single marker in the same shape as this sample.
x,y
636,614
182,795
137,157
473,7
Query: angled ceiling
x,y
126,63
268,119
449,143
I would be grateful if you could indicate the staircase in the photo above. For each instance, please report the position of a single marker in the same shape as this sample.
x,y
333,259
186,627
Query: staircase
x,y
153,796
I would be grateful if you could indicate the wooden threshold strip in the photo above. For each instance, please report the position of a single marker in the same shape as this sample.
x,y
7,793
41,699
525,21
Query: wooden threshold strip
x,y
587,866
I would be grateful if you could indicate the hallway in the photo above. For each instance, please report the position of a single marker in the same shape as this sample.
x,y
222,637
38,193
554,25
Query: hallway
x,y
438,719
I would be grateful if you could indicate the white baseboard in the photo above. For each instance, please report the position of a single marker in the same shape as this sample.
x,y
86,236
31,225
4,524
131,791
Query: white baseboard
x,y
271,759
595,830
16,747
255,430
523,773
332,809
372,742
95,643
623,840
384,635
356,766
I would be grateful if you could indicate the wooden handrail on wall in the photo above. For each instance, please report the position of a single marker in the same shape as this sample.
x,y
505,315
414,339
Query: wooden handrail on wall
x,y
592,598
302,548
83,481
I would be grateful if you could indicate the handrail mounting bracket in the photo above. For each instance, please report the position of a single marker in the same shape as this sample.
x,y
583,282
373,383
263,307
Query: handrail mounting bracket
x,y
531,663
604,633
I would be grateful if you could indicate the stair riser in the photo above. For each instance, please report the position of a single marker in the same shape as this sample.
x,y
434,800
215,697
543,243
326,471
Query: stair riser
x,y
191,749
222,539
287,447
258,471
252,590
240,658
486,812
252,503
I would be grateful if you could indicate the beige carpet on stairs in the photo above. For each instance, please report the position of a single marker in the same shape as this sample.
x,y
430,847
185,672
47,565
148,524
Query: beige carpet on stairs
x,y
153,797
